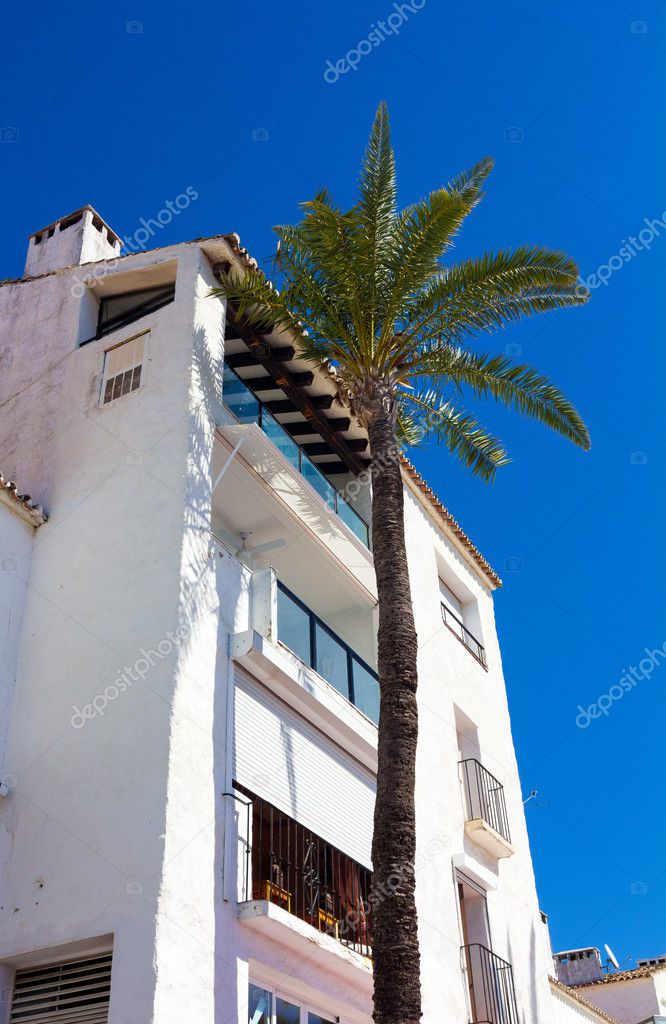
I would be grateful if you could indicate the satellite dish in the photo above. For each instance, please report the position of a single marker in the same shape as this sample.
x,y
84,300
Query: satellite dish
x,y
612,957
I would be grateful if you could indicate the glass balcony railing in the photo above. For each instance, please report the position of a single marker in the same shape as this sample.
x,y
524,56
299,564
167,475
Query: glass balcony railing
x,y
315,643
247,408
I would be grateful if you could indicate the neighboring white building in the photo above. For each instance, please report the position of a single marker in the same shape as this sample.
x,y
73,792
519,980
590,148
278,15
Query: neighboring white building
x,y
188,684
630,996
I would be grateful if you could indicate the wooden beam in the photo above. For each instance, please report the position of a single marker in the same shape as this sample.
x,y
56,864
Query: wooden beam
x,y
304,403
331,468
279,405
239,360
321,448
297,429
301,380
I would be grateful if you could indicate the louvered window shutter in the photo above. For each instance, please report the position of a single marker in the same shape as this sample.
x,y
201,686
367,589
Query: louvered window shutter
x,y
76,992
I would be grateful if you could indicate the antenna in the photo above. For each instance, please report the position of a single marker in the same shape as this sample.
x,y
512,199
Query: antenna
x,y
611,957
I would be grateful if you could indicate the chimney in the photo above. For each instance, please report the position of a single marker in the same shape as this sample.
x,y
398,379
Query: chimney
x,y
578,966
81,237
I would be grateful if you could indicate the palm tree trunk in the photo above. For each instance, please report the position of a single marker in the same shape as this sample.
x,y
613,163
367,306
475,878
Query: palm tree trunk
x,y
397,980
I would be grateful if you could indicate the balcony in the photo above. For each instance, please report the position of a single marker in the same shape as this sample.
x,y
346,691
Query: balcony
x,y
491,990
290,868
459,629
316,644
486,820
320,663
247,409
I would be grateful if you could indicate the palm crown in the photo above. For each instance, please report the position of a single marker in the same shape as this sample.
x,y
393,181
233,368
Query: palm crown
x,y
367,294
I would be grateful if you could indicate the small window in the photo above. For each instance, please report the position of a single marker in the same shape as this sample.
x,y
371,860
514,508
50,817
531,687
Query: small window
x,y
456,616
122,369
453,603
120,310
268,1006
60,993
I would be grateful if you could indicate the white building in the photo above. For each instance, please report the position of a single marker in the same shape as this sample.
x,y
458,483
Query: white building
x,y
188,688
633,996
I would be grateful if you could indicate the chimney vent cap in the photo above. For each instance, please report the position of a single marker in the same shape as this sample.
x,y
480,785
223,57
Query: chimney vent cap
x,y
73,218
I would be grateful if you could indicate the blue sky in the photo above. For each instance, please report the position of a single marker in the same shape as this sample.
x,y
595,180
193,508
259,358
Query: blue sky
x,y
125,105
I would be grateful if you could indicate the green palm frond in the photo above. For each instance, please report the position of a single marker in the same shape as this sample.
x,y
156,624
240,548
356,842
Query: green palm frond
x,y
458,431
517,387
378,189
499,288
366,289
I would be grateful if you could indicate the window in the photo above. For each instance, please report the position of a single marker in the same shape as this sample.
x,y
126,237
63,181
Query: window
x,y
120,310
122,369
62,993
453,605
455,615
268,1006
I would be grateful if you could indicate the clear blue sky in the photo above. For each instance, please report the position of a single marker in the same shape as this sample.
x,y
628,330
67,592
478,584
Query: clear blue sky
x,y
126,120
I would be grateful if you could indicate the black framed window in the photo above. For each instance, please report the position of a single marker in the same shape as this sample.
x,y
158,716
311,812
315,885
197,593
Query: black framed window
x,y
119,310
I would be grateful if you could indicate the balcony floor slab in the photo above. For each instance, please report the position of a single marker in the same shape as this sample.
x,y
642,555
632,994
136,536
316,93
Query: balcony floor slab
x,y
283,928
485,836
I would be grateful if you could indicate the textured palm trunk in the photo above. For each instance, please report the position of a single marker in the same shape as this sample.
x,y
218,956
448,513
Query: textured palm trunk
x,y
397,998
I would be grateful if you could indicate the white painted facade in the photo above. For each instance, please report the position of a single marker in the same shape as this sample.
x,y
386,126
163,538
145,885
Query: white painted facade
x,y
139,640
630,996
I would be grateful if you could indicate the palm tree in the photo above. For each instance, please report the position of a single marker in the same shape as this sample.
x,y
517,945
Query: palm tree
x,y
366,293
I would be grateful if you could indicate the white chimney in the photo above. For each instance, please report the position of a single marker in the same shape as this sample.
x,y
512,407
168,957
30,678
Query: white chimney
x,y
578,966
80,237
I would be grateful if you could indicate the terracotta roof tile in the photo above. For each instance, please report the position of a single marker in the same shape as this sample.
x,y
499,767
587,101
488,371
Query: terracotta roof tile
x,y
22,503
451,524
635,972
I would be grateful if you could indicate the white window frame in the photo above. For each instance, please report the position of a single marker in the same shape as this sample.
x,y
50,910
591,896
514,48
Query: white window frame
x,y
143,336
277,992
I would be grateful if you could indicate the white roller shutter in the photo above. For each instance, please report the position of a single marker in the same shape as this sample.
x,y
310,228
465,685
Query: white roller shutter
x,y
76,992
282,758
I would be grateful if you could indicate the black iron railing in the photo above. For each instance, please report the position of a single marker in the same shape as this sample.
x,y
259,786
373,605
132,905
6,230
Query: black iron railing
x,y
247,408
458,627
484,797
295,869
491,989
318,646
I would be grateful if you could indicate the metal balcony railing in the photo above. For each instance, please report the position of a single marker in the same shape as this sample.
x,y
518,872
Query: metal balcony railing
x,y
458,627
484,797
491,989
316,644
247,408
292,867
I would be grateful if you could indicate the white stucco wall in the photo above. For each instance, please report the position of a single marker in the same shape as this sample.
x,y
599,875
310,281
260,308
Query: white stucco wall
x,y
567,1010
82,833
628,1001
450,678
16,540
117,825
